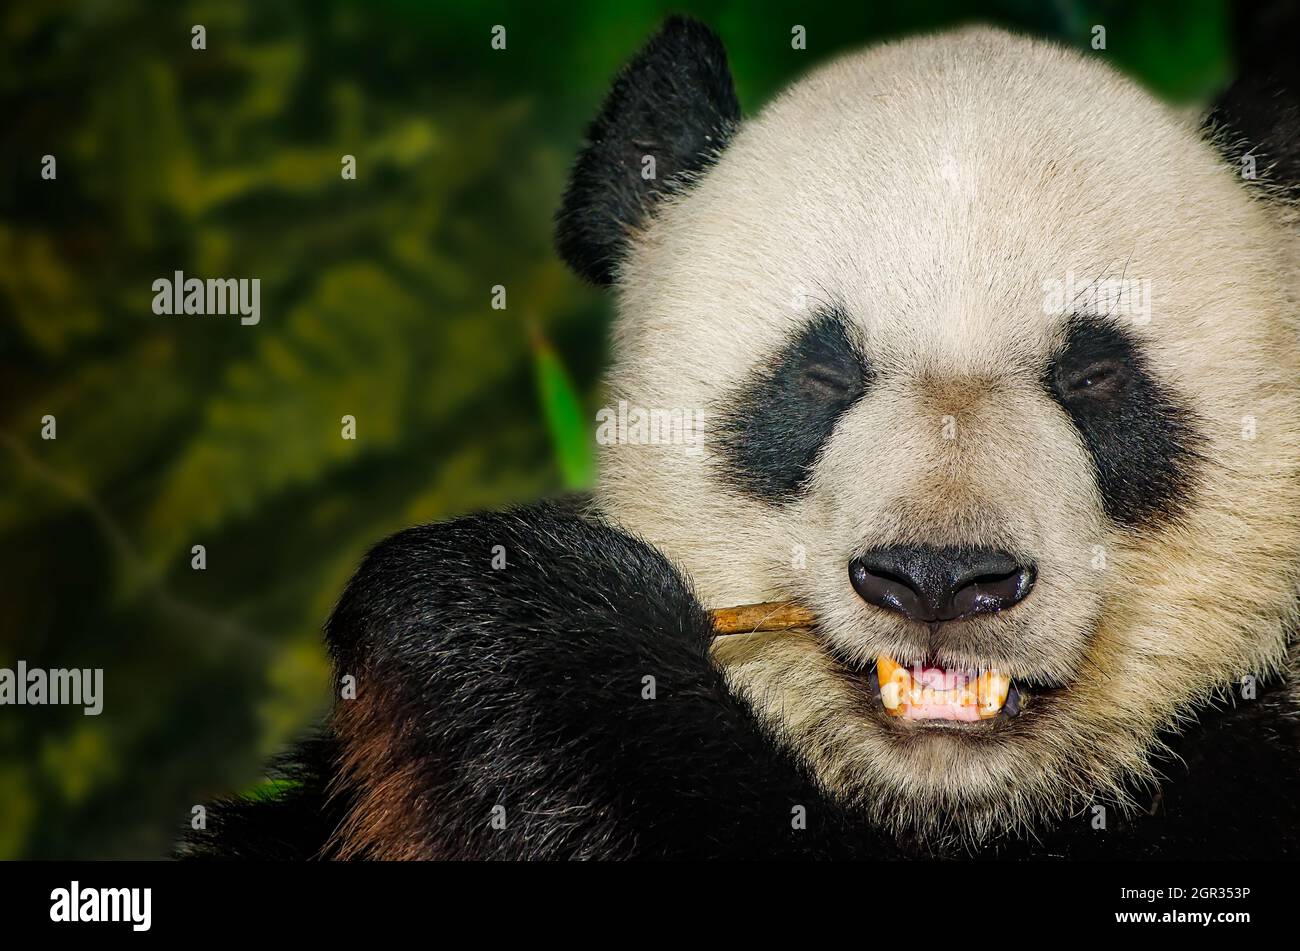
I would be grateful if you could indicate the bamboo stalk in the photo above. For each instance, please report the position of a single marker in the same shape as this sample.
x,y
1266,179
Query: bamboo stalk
x,y
768,616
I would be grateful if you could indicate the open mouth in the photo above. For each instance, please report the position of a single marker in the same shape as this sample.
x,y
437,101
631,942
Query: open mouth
x,y
928,692
925,692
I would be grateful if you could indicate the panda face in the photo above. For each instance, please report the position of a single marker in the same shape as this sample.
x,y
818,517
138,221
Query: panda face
x,y
991,353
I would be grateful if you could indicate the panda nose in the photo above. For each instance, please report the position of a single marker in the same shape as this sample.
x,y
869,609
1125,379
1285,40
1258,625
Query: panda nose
x,y
930,584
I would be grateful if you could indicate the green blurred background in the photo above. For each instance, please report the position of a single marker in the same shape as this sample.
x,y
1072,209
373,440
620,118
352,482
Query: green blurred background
x,y
176,431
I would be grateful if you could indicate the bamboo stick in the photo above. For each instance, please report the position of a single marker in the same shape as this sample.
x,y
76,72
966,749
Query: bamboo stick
x,y
768,616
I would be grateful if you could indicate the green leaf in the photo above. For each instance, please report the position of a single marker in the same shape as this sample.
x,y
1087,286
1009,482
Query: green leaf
x,y
269,789
565,419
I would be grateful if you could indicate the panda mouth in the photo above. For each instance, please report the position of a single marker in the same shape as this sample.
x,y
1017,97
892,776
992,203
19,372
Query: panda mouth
x,y
926,693
930,692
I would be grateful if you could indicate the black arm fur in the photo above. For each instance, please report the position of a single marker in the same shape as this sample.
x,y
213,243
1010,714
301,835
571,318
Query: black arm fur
x,y
526,688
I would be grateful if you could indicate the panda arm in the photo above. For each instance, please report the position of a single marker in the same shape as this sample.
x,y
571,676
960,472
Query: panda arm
x,y
563,705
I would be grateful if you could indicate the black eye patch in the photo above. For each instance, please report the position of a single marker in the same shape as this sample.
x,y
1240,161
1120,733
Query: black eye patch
x,y
1144,442
773,428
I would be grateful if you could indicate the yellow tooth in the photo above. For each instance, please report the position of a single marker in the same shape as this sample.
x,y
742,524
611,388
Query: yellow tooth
x,y
993,689
895,685
892,696
887,669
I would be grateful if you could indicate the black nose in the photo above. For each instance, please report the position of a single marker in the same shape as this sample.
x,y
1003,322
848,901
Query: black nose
x,y
940,584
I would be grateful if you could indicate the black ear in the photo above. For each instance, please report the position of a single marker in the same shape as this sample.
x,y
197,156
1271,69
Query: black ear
x,y
1259,115
673,104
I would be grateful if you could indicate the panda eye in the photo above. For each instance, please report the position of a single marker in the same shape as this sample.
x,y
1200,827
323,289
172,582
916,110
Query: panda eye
x,y
1144,440
773,426
829,381
1101,379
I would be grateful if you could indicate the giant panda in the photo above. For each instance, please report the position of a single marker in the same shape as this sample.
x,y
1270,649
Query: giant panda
x,y
924,420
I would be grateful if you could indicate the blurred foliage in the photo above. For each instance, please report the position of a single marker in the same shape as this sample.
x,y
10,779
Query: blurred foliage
x,y
375,302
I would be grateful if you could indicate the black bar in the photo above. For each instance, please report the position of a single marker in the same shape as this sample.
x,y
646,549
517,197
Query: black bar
x,y
431,902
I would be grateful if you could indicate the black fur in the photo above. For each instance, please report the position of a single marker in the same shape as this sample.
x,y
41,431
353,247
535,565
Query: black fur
x,y
1142,440
674,101
772,430
523,688
1259,114
295,821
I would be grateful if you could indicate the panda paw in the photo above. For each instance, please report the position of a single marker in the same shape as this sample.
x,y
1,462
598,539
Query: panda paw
x,y
533,684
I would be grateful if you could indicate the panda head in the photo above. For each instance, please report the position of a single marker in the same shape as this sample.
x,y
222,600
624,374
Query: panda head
x,y
991,355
